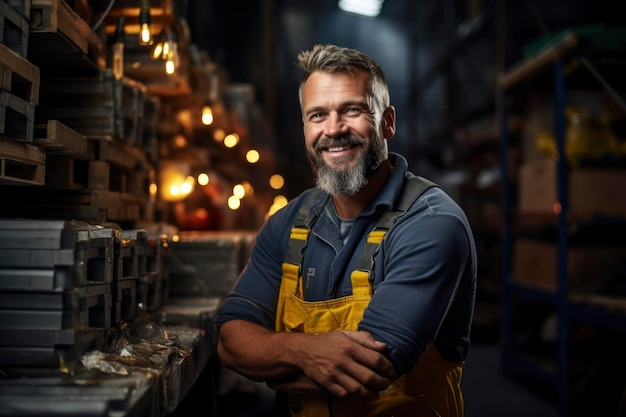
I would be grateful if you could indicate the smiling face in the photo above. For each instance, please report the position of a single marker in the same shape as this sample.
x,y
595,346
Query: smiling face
x,y
345,132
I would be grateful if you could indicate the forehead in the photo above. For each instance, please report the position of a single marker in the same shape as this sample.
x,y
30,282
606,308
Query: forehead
x,y
323,85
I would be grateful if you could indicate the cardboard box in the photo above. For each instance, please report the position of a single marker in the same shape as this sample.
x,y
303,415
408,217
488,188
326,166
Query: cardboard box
x,y
590,268
591,191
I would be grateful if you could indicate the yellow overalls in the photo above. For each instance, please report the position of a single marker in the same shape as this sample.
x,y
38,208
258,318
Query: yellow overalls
x,y
431,389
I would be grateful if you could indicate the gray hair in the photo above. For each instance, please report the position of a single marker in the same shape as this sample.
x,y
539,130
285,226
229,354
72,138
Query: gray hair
x,y
331,58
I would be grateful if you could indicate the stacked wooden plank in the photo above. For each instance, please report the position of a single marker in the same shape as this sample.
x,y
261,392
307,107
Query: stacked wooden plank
x,y
67,124
20,161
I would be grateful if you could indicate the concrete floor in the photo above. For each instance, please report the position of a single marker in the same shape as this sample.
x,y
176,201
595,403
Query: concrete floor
x,y
487,392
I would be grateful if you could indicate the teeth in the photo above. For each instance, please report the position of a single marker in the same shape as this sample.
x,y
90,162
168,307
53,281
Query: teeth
x,y
336,149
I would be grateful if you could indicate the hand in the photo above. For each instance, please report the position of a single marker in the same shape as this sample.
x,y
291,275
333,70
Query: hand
x,y
347,363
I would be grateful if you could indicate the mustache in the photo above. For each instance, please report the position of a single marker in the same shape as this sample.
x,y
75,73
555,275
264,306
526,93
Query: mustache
x,y
327,142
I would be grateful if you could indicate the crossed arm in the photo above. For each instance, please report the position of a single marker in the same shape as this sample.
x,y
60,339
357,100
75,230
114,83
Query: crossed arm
x,y
342,363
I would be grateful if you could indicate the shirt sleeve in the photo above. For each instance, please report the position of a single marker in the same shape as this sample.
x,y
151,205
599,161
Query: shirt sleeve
x,y
426,287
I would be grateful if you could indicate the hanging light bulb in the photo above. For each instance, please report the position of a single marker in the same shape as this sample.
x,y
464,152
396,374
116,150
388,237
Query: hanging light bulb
x,y
117,60
172,59
159,46
207,115
145,37
157,51
165,51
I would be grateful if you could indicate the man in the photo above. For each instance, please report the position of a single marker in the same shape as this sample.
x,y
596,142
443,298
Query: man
x,y
342,321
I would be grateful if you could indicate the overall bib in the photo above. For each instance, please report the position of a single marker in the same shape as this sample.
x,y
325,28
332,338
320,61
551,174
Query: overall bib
x,y
433,387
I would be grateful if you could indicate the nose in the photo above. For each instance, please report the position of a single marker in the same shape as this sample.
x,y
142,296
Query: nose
x,y
335,125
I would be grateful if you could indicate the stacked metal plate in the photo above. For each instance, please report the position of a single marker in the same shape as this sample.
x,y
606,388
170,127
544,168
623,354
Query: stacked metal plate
x,y
152,286
207,263
56,396
126,275
155,262
55,290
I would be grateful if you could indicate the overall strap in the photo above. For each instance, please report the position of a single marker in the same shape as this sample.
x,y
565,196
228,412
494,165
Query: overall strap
x,y
413,188
300,232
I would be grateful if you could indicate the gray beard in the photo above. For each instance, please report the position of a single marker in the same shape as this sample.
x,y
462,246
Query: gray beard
x,y
349,181
345,183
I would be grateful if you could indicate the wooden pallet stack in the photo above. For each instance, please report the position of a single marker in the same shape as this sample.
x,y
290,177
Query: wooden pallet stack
x,y
20,161
66,124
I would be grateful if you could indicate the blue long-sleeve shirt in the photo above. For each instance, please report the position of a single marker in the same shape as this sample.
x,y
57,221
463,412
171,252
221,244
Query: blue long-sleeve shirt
x,y
424,277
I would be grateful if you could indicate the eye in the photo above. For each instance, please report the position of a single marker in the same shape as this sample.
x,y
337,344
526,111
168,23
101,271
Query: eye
x,y
317,117
355,111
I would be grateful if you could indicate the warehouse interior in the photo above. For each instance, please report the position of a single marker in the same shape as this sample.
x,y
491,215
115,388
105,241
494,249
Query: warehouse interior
x,y
135,173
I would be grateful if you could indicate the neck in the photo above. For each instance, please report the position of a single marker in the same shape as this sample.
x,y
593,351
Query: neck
x,y
348,207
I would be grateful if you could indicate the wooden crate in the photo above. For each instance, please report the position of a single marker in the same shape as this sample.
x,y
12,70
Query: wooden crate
x,y
94,206
95,106
131,109
67,173
21,6
149,140
21,163
14,29
16,117
86,104
58,139
18,76
62,38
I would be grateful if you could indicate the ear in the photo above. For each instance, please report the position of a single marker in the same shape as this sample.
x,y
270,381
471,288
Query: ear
x,y
389,122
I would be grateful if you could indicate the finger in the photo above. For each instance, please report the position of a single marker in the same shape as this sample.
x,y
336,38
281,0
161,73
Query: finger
x,y
368,378
346,385
366,339
374,361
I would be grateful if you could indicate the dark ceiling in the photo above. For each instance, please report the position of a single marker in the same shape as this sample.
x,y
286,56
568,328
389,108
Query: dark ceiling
x,y
441,58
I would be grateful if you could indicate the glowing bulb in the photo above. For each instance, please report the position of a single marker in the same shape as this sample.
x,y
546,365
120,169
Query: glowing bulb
x,y
207,115
117,64
203,179
239,191
157,51
172,59
280,200
118,60
252,156
145,37
231,140
186,187
277,181
233,202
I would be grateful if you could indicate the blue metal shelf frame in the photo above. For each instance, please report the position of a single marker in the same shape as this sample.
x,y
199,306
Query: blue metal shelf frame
x,y
568,311
510,360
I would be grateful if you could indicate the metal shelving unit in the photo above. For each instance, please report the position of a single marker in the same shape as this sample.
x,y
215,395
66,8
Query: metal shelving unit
x,y
555,373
